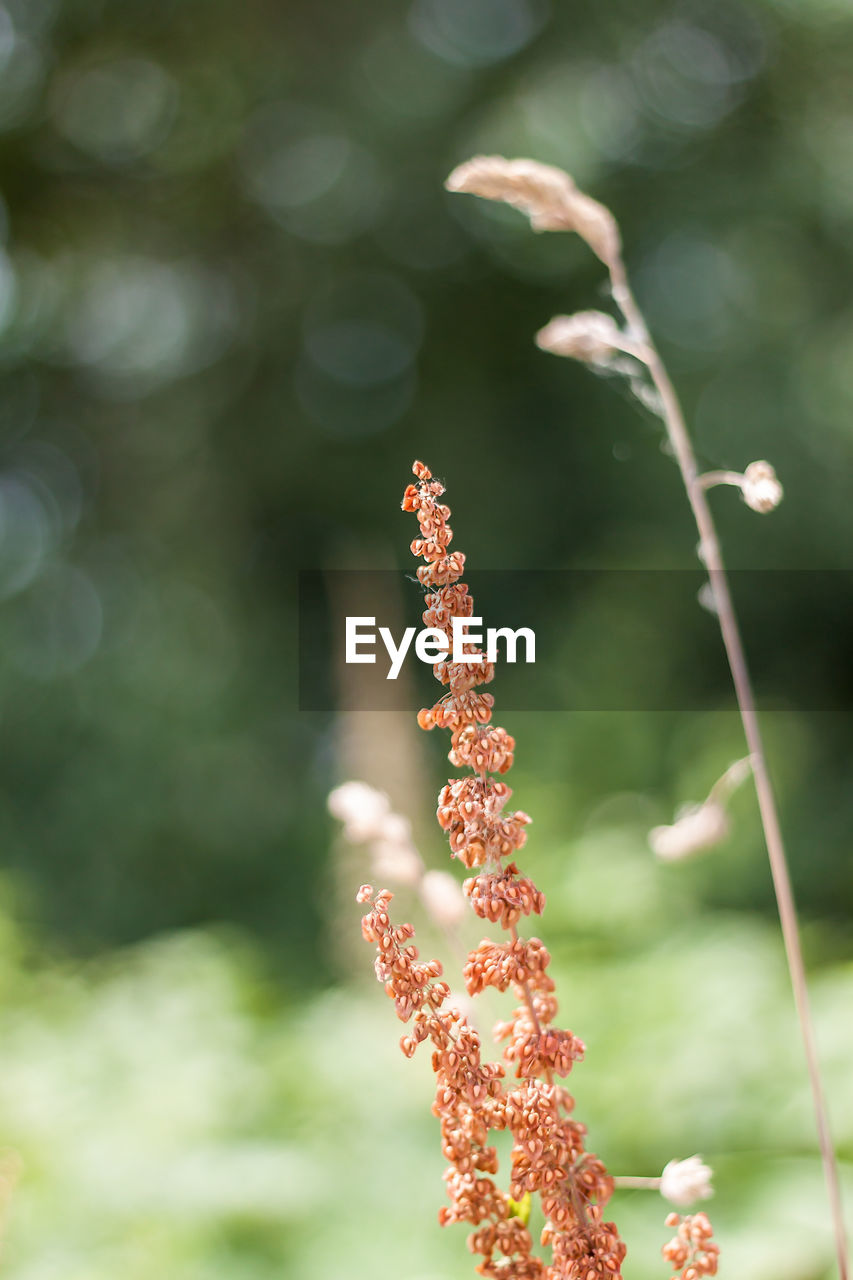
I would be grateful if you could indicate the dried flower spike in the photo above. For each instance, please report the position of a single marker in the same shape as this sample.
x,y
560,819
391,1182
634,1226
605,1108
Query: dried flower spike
x,y
548,1152
546,194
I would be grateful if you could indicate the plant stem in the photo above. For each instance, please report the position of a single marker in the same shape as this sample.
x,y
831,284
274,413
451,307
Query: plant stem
x,y
631,1183
710,478
528,998
711,555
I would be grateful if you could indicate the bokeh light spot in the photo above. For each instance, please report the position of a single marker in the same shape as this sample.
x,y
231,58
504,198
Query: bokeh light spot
x,y
361,338
139,323
611,112
8,290
8,38
365,330
25,534
685,76
478,32
310,176
403,82
118,111
690,286
343,411
54,477
57,624
20,82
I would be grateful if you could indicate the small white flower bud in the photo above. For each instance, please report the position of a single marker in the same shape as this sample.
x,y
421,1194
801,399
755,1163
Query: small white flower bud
x,y
443,898
696,828
685,1181
761,488
395,829
395,861
362,809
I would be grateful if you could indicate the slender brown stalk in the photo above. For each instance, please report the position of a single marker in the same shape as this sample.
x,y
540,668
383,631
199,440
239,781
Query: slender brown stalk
x,y
711,555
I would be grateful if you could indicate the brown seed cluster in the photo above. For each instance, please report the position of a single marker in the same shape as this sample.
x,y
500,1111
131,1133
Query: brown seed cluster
x,y
691,1252
470,810
548,1153
503,896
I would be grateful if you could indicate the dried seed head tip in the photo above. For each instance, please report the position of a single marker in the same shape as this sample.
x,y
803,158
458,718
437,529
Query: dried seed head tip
x,y
546,194
761,488
592,336
699,827
685,1181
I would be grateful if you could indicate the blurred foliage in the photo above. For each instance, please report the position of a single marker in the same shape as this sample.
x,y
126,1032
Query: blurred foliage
x,y
231,273
234,304
166,1114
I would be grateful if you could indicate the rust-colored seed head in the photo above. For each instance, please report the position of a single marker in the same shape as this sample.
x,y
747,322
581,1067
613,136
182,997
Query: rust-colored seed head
x,y
548,1154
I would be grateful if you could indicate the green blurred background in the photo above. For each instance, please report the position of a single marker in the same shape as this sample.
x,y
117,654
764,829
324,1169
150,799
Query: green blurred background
x,y
235,303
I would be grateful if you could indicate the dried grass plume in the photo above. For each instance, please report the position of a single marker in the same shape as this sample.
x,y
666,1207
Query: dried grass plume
x,y
546,194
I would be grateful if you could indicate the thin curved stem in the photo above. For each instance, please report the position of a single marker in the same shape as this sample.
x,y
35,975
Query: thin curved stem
x,y
627,1182
710,478
711,556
